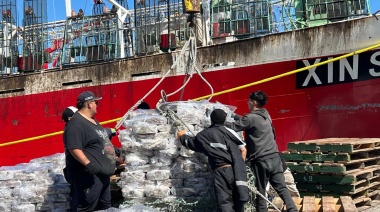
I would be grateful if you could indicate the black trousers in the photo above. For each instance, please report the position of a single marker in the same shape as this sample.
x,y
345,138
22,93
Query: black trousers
x,y
271,170
225,191
91,194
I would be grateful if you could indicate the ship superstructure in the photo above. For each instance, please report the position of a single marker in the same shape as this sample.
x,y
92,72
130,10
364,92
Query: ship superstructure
x,y
152,27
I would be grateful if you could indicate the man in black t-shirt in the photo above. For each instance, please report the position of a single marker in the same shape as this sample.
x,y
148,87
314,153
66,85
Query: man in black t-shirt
x,y
90,157
111,132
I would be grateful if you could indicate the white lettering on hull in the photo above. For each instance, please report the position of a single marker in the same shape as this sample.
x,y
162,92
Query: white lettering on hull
x,y
375,62
345,65
311,73
364,66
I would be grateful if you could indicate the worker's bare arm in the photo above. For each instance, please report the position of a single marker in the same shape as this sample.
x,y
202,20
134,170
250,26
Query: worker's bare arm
x,y
79,156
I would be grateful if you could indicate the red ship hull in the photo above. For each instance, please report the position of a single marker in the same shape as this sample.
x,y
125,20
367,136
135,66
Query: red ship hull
x,y
341,99
341,110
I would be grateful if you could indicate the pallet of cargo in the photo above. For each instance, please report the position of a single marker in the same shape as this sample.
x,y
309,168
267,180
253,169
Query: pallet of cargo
x,y
349,189
363,196
334,168
346,145
372,192
325,204
344,158
351,178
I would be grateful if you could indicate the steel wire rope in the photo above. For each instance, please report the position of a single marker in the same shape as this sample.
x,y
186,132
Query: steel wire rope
x,y
266,199
120,122
193,59
217,93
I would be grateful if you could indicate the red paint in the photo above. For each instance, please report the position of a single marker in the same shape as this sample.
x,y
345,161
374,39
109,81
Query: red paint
x,y
296,113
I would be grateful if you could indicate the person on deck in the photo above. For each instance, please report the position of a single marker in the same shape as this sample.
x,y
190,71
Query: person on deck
x,y
80,13
263,154
220,145
194,20
90,157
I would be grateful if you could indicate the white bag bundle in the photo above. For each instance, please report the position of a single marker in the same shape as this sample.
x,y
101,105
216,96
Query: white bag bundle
x,y
158,175
157,191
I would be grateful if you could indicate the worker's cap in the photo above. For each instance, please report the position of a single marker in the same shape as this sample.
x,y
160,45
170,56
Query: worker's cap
x,y
87,96
68,112
144,106
218,116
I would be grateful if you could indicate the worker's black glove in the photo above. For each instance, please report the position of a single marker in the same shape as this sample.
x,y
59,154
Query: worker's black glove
x,y
235,116
92,169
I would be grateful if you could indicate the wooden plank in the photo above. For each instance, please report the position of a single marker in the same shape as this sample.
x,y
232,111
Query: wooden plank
x,y
328,204
347,204
305,167
277,201
334,168
302,146
316,157
351,178
308,204
332,157
297,200
311,145
337,147
340,189
318,195
324,179
347,145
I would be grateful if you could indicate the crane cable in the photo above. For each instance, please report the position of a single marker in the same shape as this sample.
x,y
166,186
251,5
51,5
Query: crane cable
x,y
191,44
182,53
217,93
193,59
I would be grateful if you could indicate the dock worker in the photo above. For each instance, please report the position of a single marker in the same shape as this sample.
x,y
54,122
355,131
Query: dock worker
x,y
90,157
262,150
111,132
144,106
220,145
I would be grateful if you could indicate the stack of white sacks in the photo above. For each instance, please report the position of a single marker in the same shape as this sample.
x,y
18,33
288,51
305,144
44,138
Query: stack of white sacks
x,y
158,166
35,186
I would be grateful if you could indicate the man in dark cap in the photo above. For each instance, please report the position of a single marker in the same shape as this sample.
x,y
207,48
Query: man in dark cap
x,y
262,150
90,157
220,145
111,132
144,106
68,113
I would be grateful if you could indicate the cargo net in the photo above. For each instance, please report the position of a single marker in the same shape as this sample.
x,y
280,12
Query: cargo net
x,y
160,172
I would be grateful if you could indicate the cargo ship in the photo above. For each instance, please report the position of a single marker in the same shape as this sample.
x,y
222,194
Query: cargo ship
x,y
317,60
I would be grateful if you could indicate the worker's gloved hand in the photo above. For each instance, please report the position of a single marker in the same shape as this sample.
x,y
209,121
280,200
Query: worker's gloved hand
x,y
181,133
91,168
